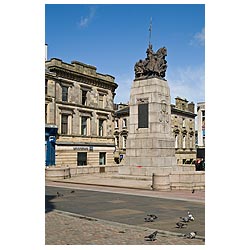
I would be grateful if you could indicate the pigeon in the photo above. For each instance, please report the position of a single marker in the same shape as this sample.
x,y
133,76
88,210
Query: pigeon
x,y
73,191
149,219
190,216
180,224
152,237
191,235
192,191
59,194
184,219
153,216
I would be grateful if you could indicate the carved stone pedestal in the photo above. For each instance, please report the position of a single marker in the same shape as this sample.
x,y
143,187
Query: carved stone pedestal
x,y
150,144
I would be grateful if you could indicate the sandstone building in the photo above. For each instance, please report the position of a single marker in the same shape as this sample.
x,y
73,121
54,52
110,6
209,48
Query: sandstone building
x,y
183,128
121,130
201,129
79,103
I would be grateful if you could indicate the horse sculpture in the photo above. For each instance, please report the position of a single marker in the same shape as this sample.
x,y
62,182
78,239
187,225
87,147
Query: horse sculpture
x,y
154,64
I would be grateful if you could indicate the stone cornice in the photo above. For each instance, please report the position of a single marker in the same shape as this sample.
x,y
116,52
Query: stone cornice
x,y
100,144
174,110
78,106
72,72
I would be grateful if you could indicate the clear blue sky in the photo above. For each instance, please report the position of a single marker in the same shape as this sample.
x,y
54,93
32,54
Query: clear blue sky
x,y
114,37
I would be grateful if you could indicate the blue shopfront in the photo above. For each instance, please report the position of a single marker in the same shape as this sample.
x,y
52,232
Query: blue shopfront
x,y
50,143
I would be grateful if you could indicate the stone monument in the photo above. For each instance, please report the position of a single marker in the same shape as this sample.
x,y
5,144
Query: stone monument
x,y
150,145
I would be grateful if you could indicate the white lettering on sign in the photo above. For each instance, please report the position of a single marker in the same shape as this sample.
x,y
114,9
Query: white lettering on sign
x,y
80,148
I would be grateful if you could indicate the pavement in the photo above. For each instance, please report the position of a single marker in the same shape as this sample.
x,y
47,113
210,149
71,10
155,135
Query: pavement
x,y
127,184
65,228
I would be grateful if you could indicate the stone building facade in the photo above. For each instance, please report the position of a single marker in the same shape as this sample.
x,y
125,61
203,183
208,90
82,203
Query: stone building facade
x,y
121,130
79,101
182,127
201,123
201,130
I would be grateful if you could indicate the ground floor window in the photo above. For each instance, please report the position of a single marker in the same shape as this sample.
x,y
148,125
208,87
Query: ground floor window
x,y
81,158
102,158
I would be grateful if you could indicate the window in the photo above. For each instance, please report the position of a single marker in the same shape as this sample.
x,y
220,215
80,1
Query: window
x,y
203,123
117,141
101,97
64,124
64,93
196,139
101,132
84,125
102,158
176,141
46,86
116,123
124,141
81,158
124,123
191,142
184,142
84,97
183,122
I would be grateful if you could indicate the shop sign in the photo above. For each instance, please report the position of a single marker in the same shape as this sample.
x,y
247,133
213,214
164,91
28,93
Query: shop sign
x,y
79,148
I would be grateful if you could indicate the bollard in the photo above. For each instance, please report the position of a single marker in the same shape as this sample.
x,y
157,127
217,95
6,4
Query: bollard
x,y
161,182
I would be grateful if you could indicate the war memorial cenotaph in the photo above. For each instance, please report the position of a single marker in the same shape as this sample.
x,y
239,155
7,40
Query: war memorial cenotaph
x,y
150,149
150,144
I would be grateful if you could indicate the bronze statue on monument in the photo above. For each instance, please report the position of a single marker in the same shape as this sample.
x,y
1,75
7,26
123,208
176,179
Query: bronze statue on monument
x,y
154,64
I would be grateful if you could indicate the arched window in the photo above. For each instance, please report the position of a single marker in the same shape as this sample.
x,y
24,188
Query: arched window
x,y
117,141
124,141
124,123
176,141
184,142
116,123
191,142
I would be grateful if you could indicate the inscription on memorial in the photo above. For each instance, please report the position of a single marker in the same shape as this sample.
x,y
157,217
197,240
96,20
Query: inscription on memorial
x,y
143,115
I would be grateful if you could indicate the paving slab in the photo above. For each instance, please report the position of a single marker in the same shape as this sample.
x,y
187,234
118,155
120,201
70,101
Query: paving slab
x,y
63,228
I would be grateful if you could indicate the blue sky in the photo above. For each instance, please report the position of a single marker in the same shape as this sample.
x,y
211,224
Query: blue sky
x,y
114,37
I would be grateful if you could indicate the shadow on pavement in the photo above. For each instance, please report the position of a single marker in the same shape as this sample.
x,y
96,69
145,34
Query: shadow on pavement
x,y
49,206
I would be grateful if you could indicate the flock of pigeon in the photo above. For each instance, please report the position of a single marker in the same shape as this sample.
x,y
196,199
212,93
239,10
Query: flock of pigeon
x,y
152,217
180,224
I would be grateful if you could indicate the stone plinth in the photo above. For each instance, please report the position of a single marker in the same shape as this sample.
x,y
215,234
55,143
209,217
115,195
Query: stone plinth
x,y
150,145
57,173
161,182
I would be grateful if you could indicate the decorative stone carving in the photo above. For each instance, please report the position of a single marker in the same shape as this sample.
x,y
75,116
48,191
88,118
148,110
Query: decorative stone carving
x,y
154,64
